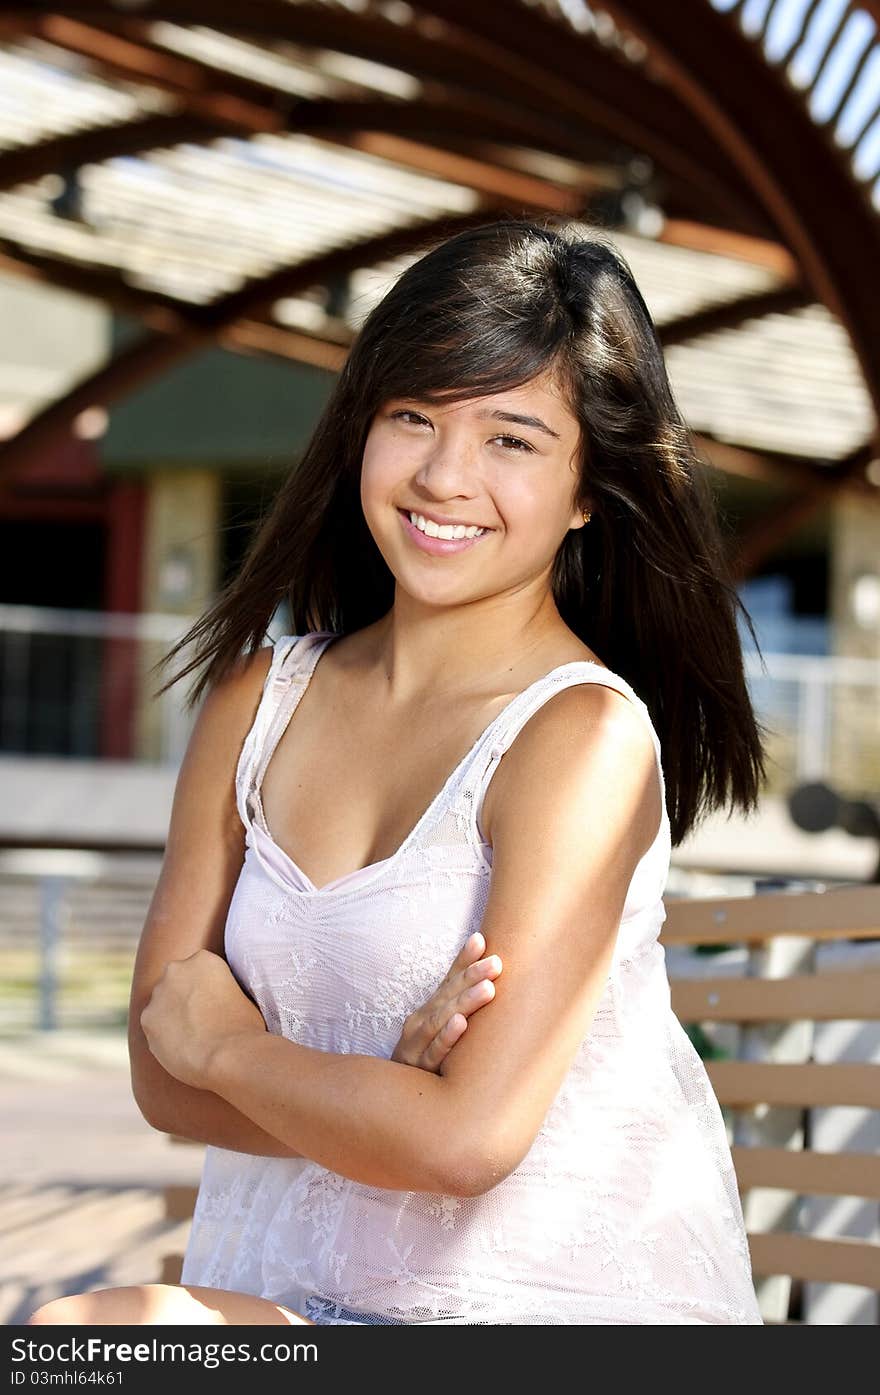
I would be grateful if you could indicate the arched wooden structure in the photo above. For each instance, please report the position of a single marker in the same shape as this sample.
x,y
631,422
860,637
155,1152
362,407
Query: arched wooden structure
x,y
706,128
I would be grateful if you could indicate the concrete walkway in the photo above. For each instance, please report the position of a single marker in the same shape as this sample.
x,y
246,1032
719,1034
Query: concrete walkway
x,y
81,1173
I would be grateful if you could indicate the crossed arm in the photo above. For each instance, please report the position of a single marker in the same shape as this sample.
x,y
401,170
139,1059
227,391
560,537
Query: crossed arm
x,y
203,858
577,806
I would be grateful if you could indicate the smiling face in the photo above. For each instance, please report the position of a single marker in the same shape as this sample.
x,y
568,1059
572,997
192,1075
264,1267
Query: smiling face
x,y
507,463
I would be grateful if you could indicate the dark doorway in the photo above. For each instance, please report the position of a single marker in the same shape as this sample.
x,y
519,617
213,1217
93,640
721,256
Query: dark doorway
x,y
50,675
52,563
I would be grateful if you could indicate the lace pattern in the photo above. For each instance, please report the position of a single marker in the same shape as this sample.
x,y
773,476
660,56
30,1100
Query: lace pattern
x,y
625,1209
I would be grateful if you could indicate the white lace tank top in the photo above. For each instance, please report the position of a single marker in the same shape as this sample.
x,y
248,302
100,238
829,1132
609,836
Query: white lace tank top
x,y
624,1210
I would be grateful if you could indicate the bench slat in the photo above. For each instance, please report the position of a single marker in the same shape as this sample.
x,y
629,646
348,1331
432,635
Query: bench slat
x,y
744,1083
817,997
807,1172
822,1261
839,913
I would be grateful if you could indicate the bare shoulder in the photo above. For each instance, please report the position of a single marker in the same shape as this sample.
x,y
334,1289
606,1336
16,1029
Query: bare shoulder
x,y
586,743
207,774
205,842
230,705
237,694
204,852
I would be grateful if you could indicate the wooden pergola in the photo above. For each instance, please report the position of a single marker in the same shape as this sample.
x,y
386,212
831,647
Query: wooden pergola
x,y
729,163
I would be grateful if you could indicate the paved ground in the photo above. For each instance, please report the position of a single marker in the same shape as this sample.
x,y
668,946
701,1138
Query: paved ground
x,y
81,1173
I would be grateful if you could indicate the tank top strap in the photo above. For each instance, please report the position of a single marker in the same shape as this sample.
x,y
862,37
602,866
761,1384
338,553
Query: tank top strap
x,y
507,726
293,658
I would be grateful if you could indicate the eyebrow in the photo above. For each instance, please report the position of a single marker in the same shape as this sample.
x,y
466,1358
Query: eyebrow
x,y
520,420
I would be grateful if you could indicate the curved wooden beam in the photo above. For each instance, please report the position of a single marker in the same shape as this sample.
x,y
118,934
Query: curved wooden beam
x,y
76,148
261,106
732,314
198,326
162,313
145,359
375,125
608,93
167,313
173,319
721,242
224,101
696,91
785,518
257,337
589,88
801,180
766,467
350,124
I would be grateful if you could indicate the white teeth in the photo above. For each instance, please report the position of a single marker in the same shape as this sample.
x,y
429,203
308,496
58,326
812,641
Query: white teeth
x,y
445,530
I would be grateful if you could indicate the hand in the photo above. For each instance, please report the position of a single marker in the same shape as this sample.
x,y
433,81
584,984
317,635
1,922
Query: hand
x,y
430,1032
196,1004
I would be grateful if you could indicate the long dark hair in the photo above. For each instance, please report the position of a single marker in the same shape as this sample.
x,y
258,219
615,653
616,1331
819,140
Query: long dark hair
x,y
645,584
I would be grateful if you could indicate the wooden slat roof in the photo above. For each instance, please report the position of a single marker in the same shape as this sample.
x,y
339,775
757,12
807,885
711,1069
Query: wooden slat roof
x,y
178,159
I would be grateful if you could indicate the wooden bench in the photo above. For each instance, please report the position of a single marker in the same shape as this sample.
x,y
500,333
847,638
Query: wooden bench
x,y
801,1087
790,1041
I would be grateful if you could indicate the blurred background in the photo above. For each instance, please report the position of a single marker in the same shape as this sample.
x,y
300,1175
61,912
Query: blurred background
x,y
199,203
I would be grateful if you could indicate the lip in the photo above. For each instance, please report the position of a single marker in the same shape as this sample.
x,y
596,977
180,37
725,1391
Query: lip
x,y
439,547
440,518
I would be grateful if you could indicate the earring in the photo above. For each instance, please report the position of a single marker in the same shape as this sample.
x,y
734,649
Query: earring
x,y
587,516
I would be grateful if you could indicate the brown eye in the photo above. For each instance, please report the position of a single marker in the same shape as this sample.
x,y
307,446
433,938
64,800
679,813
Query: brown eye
x,y
405,412
521,445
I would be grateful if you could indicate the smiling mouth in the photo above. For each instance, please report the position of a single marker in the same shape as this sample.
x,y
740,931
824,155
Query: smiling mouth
x,y
431,544
409,513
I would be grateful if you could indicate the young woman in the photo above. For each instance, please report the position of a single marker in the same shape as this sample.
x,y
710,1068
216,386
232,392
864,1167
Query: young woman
x,y
509,595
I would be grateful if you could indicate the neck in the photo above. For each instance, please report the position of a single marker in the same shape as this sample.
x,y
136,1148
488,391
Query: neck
x,y
420,649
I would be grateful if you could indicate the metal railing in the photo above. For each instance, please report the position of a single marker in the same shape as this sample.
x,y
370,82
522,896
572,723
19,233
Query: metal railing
x,y
70,921
824,719
77,683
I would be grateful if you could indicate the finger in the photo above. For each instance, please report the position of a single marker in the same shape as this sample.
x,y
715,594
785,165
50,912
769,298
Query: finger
x,y
482,969
467,992
444,1041
472,948
475,997
423,1027
450,993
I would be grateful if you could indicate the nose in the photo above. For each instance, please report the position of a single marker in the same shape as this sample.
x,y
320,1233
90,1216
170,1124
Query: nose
x,y
447,468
